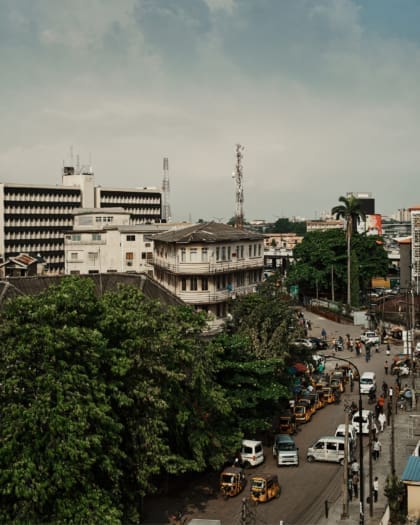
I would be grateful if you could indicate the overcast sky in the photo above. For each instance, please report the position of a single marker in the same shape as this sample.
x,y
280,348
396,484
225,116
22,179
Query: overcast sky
x,y
323,94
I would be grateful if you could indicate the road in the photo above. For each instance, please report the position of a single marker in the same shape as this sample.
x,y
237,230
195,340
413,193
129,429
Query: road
x,y
306,488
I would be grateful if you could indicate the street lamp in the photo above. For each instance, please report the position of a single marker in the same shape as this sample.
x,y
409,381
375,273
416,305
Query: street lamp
x,y
362,479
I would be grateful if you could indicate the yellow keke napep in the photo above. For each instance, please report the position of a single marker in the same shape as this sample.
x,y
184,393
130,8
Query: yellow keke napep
x,y
264,487
232,481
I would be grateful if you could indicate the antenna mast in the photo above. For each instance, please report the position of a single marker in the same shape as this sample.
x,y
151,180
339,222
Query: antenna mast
x,y
239,196
166,208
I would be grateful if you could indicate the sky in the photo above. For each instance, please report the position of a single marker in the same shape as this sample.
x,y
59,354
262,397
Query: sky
x,y
324,95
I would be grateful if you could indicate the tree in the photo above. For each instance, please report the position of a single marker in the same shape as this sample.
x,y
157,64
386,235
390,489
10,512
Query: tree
x,y
284,225
350,210
320,260
60,455
319,264
254,368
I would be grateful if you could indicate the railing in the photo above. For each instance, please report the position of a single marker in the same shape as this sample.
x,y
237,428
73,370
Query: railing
x,y
208,267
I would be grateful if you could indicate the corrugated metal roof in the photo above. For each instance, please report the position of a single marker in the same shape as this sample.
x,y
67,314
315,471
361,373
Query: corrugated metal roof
x,y
412,469
208,232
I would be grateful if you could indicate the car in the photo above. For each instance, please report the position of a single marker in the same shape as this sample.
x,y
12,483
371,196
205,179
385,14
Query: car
x,y
303,343
370,337
320,344
252,453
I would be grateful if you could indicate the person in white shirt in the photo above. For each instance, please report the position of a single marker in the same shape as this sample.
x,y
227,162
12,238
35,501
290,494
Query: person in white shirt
x,y
382,420
375,489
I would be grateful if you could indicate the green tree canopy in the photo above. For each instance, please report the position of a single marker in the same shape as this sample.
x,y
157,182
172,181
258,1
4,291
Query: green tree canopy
x,y
285,225
321,261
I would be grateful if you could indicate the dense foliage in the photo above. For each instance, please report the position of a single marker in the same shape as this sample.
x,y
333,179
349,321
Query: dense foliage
x,y
321,263
100,398
284,225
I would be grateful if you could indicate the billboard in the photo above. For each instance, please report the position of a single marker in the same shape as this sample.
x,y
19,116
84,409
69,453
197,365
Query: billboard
x,y
374,224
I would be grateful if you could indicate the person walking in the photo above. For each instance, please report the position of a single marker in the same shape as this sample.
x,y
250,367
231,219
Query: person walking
x,y
350,488
355,484
375,489
324,334
376,449
382,421
386,367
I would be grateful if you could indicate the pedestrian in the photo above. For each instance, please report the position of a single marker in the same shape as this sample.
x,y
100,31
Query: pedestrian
x,y
390,393
375,489
377,410
351,344
384,389
324,334
388,349
381,403
355,483
376,449
386,367
350,488
355,467
382,420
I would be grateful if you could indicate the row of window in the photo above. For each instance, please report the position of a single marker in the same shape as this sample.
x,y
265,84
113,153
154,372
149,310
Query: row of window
x,y
222,253
129,256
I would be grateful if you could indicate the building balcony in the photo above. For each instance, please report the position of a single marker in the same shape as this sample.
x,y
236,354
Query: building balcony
x,y
207,268
217,296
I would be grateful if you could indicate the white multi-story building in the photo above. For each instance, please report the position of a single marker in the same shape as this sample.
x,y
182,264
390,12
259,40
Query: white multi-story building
x,y
34,219
208,264
103,241
415,248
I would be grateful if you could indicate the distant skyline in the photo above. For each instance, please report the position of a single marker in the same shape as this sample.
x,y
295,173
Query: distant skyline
x,y
324,95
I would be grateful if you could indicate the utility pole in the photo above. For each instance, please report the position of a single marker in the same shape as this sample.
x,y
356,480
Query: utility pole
x,y
345,513
332,284
371,423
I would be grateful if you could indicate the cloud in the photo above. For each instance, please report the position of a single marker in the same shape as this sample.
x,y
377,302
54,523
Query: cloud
x,y
321,93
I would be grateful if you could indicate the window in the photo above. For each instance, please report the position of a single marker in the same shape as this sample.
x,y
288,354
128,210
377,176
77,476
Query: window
x,y
204,255
183,284
228,253
76,237
250,250
130,238
242,252
204,283
223,253
147,244
217,253
92,256
193,254
143,255
74,256
96,236
129,256
183,254
193,283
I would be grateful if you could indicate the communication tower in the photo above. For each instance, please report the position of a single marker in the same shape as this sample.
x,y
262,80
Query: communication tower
x,y
239,193
166,208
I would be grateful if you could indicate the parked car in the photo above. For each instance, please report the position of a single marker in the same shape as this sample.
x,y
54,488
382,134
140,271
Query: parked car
x,y
303,343
370,338
367,417
320,344
285,450
329,448
252,453
341,432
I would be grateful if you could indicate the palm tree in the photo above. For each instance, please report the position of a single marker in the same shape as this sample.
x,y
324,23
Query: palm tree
x,y
351,211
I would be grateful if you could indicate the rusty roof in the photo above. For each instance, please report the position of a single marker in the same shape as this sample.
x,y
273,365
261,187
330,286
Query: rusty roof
x,y
208,232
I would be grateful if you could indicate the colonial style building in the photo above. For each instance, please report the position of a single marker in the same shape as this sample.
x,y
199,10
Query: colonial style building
x,y
206,265
34,219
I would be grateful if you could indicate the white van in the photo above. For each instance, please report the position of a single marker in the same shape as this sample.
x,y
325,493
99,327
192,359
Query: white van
x,y
285,450
252,453
341,432
329,448
366,416
368,382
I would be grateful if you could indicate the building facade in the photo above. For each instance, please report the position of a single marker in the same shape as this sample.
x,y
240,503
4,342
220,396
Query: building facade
x,y
103,241
415,248
34,219
207,265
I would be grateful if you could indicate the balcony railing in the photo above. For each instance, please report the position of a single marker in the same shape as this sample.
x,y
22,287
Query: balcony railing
x,y
207,268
